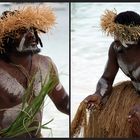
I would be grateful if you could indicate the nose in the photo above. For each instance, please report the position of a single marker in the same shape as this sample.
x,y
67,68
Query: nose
x,y
30,35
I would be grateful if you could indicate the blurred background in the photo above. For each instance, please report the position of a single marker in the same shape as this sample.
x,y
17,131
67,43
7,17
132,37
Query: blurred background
x,y
89,47
56,45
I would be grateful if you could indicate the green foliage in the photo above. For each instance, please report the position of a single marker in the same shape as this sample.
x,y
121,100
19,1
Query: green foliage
x,y
30,107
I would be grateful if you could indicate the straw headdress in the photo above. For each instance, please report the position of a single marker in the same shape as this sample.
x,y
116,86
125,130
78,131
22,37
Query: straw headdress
x,y
124,32
41,18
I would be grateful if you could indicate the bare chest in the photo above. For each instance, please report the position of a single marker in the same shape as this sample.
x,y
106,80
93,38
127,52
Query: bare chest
x,y
12,81
129,63
13,84
130,69
15,80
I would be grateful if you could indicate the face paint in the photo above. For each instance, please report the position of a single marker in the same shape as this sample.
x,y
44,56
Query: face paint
x,y
10,84
28,43
126,43
20,48
10,115
104,85
38,83
59,87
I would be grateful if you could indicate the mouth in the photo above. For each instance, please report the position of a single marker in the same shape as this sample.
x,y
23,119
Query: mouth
x,y
31,46
33,43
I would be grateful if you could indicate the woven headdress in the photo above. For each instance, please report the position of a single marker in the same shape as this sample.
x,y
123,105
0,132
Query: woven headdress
x,y
41,18
124,32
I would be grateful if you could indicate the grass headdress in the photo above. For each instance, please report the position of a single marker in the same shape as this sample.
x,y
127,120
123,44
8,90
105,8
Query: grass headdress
x,y
124,32
41,18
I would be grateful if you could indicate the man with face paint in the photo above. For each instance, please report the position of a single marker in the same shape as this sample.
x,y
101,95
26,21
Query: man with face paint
x,y
124,53
19,59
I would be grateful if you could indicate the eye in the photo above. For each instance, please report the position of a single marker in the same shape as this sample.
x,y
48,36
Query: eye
x,y
22,31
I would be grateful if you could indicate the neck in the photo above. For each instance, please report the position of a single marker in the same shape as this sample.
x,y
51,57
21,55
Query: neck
x,y
23,60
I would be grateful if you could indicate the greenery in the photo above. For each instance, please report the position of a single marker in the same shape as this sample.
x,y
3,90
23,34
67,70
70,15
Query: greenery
x,y
30,107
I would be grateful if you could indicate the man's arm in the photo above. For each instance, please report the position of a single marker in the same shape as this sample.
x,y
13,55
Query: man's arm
x,y
60,98
58,95
104,85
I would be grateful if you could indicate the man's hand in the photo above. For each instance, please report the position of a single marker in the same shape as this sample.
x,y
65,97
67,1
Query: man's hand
x,y
134,119
93,101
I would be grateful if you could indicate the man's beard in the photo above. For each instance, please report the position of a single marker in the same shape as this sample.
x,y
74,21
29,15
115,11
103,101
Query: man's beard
x,y
29,51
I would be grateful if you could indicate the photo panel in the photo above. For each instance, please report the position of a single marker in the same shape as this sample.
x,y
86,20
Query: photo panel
x,y
54,54
90,45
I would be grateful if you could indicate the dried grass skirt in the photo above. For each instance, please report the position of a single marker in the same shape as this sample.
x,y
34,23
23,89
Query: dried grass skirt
x,y
111,119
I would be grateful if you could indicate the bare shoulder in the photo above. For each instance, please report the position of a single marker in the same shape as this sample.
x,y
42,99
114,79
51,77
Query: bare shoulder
x,y
42,60
114,44
112,49
41,57
44,63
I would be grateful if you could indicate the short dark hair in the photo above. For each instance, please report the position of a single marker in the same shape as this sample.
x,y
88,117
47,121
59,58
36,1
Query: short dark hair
x,y
128,18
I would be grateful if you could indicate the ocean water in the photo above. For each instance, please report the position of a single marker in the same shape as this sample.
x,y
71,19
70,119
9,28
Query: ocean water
x,y
89,48
56,45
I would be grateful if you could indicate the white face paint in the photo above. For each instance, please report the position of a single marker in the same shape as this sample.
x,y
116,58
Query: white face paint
x,y
126,43
10,84
32,45
20,48
104,86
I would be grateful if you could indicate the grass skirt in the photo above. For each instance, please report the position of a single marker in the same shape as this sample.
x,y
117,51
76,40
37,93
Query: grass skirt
x,y
110,120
